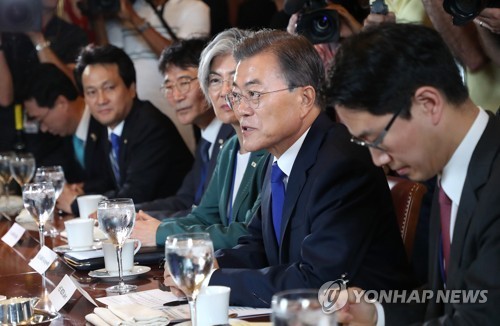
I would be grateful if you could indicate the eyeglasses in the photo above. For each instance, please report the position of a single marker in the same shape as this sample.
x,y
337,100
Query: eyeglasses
x,y
252,99
376,143
215,82
183,85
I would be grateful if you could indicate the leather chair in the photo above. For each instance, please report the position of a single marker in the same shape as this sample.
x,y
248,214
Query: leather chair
x,y
407,197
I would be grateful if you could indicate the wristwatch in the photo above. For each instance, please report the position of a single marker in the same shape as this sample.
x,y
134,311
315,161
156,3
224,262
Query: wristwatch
x,y
40,46
144,26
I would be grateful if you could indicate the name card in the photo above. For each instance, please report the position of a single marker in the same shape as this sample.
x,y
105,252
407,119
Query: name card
x,y
13,235
62,293
42,261
65,290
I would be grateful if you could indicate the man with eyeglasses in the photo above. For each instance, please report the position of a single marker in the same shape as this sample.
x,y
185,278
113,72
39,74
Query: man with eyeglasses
x,y
325,210
147,157
403,97
179,65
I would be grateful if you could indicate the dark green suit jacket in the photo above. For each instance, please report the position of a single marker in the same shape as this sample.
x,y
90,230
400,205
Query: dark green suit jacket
x,y
212,214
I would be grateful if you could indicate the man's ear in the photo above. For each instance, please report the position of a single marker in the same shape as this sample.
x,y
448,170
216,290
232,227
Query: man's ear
x,y
61,101
308,99
430,101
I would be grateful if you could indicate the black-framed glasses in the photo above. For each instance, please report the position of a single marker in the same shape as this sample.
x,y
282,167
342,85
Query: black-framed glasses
x,y
183,85
252,99
380,138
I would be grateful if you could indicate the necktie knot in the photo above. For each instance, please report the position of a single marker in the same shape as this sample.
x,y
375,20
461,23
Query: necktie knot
x,y
204,147
445,212
443,197
115,143
277,198
79,149
276,174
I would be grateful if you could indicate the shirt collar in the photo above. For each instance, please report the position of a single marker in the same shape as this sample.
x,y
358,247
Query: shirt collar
x,y
285,162
117,130
83,125
455,171
212,130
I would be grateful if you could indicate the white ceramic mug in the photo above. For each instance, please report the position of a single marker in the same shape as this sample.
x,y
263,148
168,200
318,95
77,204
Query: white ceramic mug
x,y
80,233
87,204
212,306
130,248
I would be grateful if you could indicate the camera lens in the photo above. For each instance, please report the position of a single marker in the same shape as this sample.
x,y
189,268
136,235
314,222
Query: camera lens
x,y
321,24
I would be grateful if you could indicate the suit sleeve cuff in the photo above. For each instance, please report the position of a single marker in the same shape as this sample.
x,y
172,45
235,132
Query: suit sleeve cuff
x,y
380,314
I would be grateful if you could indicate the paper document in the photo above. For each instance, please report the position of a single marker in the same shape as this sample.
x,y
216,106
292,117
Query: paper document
x,y
156,298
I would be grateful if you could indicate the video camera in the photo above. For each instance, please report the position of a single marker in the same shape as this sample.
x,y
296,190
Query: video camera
x,y
464,11
18,16
92,8
316,23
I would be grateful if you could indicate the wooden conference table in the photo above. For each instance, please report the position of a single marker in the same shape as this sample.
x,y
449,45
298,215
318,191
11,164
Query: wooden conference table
x,y
17,278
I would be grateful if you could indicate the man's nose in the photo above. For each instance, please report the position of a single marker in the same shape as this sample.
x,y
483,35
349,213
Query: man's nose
x,y
379,157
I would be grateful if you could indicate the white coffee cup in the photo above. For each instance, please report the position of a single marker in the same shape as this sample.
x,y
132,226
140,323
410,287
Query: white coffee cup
x,y
130,248
80,233
212,306
87,204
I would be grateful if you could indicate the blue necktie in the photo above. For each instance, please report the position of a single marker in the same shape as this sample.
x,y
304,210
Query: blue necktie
x,y
79,149
114,155
204,147
277,198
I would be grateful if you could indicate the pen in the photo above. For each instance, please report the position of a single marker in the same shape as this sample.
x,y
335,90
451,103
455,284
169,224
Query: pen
x,y
175,303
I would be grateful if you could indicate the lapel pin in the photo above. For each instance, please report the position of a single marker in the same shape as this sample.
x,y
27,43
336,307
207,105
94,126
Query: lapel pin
x,y
93,137
254,164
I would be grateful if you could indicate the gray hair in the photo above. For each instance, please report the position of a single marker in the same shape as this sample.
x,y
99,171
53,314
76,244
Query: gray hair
x,y
222,44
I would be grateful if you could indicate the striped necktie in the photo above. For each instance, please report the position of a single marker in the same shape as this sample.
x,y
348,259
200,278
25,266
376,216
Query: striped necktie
x,y
114,156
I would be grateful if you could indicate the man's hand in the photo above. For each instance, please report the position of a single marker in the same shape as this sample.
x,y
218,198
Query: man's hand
x,y
377,19
489,18
169,282
68,195
361,313
145,229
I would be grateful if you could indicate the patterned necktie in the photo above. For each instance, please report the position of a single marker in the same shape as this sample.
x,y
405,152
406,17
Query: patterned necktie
x,y
79,149
445,212
114,155
277,198
204,147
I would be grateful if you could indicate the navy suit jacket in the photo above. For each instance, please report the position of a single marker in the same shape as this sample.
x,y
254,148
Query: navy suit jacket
x,y
182,202
475,249
153,158
338,218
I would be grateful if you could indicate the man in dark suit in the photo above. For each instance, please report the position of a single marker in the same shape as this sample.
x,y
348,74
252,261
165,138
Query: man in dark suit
x,y
335,214
54,102
179,65
147,158
403,97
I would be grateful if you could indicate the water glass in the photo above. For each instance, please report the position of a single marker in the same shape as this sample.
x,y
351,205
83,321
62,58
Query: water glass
x,y
117,219
300,307
189,260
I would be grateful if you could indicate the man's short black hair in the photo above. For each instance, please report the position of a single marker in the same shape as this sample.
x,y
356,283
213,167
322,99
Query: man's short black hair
x,y
47,82
183,54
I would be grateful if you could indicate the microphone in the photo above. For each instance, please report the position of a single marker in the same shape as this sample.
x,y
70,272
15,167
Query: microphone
x,y
293,6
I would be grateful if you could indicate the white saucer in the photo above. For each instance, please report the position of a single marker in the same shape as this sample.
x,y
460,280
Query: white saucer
x,y
66,248
103,274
